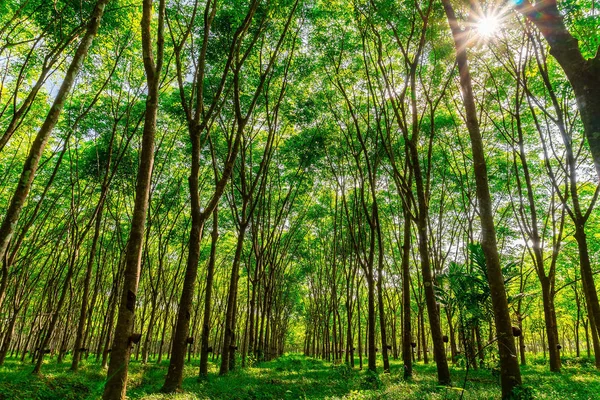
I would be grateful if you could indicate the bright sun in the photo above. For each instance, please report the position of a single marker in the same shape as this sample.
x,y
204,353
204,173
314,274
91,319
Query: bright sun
x,y
488,26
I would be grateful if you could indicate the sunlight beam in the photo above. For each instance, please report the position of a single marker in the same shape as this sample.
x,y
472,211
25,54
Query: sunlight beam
x,y
488,26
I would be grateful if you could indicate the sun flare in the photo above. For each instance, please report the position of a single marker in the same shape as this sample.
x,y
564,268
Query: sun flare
x,y
488,26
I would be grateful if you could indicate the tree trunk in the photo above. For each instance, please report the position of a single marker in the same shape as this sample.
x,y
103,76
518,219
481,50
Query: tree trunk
x,y
359,322
56,315
583,74
37,148
87,280
175,373
116,382
510,375
406,323
551,325
384,340
372,356
229,333
208,295
593,326
587,277
8,336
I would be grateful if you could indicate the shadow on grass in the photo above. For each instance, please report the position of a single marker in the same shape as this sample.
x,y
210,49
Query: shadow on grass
x,y
289,377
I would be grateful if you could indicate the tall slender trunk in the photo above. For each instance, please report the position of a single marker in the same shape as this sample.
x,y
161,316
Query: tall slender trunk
x,y
8,336
422,218
382,328
424,339
112,307
452,336
36,151
252,307
583,74
595,340
149,333
349,339
210,273
546,279
428,279
587,276
175,373
246,327
4,280
359,323
589,290
229,333
116,382
522,345
551,325
56,315
86,284
407,314
510,374
372,355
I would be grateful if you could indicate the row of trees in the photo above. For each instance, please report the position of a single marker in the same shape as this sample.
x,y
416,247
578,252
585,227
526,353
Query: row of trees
x,y
398,115
346,157
96,264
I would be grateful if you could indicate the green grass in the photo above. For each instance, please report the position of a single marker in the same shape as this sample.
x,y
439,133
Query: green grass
x,y
294,377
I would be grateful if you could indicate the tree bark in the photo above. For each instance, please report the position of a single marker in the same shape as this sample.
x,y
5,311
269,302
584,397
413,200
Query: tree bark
x,y
210,273
407,312
229,333
510,375
116,382
382,329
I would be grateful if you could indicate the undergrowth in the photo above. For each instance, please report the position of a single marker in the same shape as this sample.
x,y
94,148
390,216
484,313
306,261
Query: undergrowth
x,y
298,377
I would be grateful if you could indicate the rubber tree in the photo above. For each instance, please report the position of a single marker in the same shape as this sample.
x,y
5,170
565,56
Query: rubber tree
x,y
11,218
198,122
584,74
116,382
510,374
530,220
406,114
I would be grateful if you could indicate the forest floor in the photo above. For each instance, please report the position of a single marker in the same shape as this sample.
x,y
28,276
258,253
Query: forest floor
x,y
295,377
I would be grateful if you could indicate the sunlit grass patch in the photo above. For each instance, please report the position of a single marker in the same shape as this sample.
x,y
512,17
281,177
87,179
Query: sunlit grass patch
x,y
293,377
